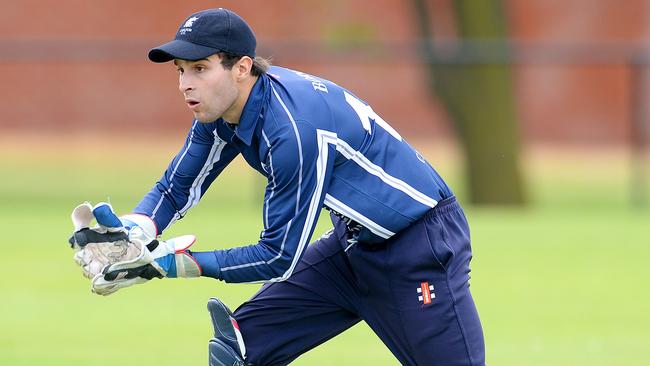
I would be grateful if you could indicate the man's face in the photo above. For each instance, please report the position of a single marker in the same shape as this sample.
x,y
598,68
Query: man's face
x,y
209,89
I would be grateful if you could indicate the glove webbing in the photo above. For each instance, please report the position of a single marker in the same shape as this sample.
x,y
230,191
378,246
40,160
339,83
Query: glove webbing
x,y
86,236
147,271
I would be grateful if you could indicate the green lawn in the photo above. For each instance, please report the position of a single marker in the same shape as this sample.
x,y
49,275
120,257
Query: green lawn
x,y
562,282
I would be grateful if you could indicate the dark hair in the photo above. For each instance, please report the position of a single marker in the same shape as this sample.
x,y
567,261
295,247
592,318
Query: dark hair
x,y
260,64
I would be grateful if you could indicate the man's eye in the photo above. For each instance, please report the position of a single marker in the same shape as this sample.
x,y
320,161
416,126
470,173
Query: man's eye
x,y
199,68
180,70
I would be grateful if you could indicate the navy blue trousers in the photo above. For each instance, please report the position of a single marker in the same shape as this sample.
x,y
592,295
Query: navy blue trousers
x,y
412,290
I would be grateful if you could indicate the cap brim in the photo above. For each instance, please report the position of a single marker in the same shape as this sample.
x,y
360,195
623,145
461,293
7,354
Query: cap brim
x,y
179,49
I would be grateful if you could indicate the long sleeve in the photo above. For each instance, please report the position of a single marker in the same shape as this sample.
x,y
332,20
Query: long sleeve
x,y
202,158
298,163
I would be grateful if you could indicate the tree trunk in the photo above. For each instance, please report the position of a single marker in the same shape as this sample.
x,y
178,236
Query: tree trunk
x,y
479,99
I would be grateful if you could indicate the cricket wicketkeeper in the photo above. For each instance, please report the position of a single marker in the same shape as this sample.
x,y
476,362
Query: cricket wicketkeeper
x,y
397,257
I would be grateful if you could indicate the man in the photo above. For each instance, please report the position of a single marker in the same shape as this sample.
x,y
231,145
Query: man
x,y
397,257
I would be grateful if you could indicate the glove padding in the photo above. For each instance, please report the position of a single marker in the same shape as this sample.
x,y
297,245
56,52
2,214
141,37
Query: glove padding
x,y
96,255
158,259
107,242
120,252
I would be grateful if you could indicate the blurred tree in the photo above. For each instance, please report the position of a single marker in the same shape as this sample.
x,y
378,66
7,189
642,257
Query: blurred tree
x,y
477,92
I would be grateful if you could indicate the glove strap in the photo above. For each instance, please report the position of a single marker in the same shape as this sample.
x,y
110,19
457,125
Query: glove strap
x,y
137,220
187,266
179,262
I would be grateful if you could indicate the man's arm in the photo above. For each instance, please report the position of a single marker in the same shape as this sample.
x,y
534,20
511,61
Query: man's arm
x,y
299,165
202,158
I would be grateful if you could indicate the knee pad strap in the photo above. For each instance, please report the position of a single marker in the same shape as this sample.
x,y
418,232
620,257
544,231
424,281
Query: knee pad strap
x,y
221,354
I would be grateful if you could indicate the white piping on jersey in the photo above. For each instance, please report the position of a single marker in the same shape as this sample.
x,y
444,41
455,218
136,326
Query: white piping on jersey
x,y
195,190
171,184
324,138
284,240
239,266
266,213
379,172
295,131
346,210
266,218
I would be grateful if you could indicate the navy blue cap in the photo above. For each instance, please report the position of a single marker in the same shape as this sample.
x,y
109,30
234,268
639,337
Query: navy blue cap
x,y
205,33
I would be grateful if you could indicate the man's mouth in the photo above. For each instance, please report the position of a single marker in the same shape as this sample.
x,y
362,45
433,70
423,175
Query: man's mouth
x,y
191,103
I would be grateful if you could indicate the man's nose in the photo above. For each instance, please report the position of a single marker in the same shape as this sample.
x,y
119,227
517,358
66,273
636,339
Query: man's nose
x,y
184,84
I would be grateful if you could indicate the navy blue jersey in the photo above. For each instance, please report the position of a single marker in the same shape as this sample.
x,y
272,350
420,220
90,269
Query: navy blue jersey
x,y
318,145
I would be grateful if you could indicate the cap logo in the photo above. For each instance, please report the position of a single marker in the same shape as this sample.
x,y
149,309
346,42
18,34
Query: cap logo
x,y
187,27
190,21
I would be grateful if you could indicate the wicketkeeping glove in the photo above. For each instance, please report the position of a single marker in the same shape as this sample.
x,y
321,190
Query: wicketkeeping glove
x,y
108,241
157,259
120,252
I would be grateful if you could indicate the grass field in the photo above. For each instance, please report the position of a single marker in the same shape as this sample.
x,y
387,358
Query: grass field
x,y
561,282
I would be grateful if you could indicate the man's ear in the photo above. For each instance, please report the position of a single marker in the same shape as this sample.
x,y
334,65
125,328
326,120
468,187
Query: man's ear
x,y
243,67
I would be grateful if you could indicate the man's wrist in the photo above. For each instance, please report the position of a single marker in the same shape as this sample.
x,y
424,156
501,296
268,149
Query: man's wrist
x,y
208,262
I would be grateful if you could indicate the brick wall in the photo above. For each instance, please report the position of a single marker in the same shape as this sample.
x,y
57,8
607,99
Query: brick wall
x,y
70,65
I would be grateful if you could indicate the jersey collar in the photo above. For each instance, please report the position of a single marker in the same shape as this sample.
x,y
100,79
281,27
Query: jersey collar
x,y
252,112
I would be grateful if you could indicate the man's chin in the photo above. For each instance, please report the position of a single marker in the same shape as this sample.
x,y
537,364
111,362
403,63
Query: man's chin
x,y
202,118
